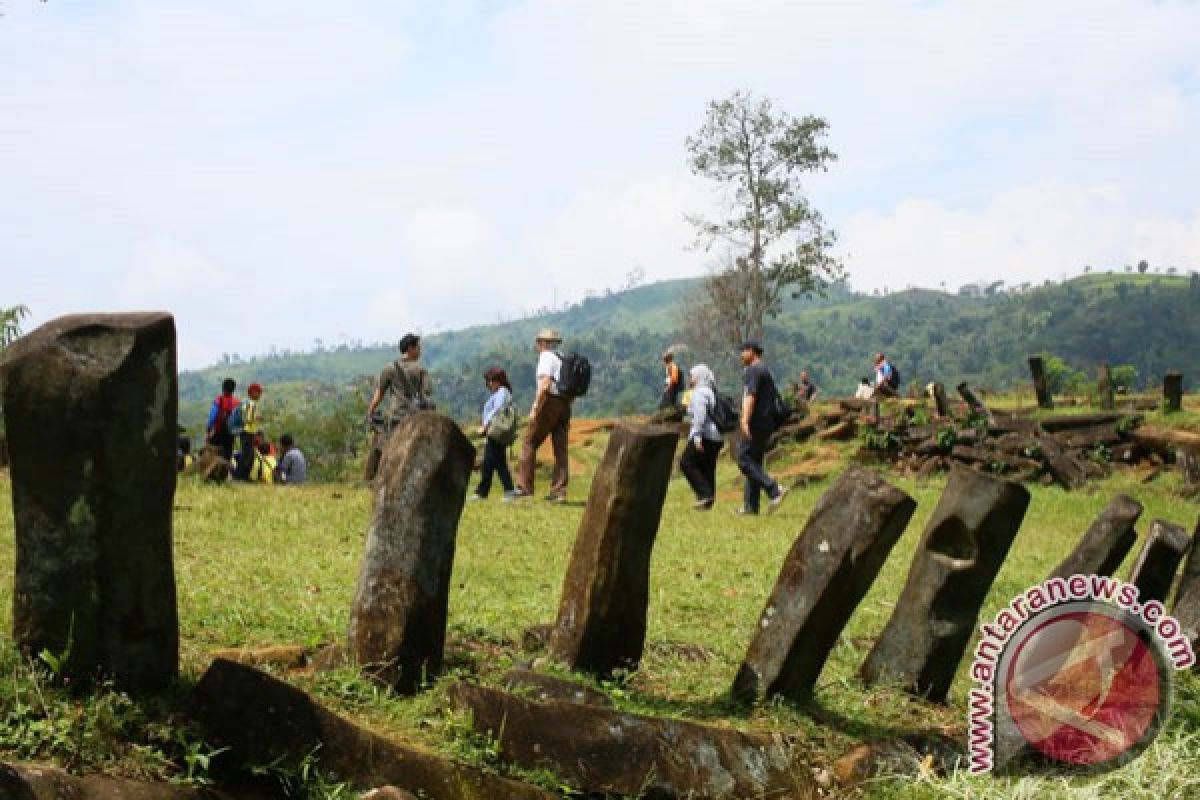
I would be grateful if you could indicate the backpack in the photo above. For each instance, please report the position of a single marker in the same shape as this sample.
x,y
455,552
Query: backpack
x,y
226,408
894,379
234,423
723,413
574,376
781,411
502,427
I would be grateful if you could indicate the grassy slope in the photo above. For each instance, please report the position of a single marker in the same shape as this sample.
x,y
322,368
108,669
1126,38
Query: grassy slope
x,y
260,566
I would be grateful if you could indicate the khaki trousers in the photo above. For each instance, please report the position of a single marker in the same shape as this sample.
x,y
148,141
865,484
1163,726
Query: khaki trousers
x,y
553,419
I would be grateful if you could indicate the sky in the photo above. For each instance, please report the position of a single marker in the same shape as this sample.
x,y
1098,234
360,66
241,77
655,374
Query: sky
x,y
276,172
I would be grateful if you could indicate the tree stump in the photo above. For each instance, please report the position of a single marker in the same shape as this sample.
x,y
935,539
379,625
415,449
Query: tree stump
x,y
1154,572
601,623
962,549
90,407
398,620
1106,543
829,569
1037,368
1173,391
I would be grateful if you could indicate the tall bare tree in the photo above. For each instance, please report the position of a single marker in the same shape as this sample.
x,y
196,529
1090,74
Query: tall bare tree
x,y
778,243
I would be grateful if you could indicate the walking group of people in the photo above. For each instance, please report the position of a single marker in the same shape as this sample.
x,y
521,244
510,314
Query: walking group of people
x,y
235,430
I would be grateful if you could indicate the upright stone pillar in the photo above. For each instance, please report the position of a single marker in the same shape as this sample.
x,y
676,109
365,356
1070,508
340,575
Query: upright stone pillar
x,y
957,559
1104,386
831,566
1187,600
939,399
1173,391
1037,368
90,405
1106,543
601,622
1154,572
974,404
398,620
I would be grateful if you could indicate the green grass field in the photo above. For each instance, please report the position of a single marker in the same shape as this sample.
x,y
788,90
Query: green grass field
x,y
260,566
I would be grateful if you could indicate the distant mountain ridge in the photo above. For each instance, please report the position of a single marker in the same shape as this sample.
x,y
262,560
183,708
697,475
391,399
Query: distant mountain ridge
x,y
1149,321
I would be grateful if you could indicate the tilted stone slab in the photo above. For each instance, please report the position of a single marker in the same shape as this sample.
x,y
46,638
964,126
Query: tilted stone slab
x,y
829,569
1107,541
601,624
90,408
599,750
1187,599
40,782
398,620
263,720
962,549
1154,572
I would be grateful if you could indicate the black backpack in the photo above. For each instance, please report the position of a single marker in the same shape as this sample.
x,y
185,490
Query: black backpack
x,y
724,415
574,376
894,380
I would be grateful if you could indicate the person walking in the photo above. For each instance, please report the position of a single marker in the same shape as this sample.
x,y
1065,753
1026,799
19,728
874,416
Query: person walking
x,y
806,390
221,426
672,382
251,431
549,416
760,401
699,460
411,390
495,451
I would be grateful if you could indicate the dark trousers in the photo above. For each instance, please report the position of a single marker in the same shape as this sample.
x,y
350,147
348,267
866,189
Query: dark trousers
x,y
245,456
223,442
750,455
700,467
495,459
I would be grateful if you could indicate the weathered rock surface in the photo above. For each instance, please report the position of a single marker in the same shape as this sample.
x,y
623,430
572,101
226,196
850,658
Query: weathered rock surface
x,y
829,569
38,782
262,719
398,620
910,756
542,687
1187,599
962,549
601,622
598,750
1066,469
1106,543
1154,572
90,409
388,793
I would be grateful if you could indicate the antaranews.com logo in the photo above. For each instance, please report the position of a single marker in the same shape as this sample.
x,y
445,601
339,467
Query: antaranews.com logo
x,y
1074,672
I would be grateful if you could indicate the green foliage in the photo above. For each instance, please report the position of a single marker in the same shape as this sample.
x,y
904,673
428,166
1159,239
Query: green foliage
x,y
10,324
875,439
1060,377
946,439
1124,376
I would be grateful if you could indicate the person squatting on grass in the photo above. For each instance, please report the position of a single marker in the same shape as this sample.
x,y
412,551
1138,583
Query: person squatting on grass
x,y
699,460
293,468
759,403
495,453
550,416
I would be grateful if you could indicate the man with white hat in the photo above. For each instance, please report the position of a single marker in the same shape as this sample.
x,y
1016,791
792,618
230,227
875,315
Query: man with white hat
x,y
550,416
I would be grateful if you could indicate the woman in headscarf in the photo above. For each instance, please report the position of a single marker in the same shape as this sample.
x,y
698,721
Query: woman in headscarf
x,y
699,459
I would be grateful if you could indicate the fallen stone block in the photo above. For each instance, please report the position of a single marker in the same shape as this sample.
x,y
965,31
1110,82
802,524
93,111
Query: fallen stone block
x,y
1106,543
1071,422
398,620
909,756
962,549
601,624
283,656
598,750
388,793
840,432
542,687
40,782
1154,572
1066,469
90,410
264,720
831,565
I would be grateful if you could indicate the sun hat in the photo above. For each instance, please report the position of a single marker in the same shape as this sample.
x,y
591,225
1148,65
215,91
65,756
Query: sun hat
x,y
548,335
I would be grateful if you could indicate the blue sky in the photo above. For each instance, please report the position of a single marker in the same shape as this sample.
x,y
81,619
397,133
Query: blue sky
x,y
274,172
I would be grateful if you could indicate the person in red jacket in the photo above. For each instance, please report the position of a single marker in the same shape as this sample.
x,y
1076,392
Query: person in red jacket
x,y
219,432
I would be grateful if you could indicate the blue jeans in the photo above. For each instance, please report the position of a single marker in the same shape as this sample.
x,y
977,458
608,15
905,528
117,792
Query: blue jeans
x,y
750,455
495,459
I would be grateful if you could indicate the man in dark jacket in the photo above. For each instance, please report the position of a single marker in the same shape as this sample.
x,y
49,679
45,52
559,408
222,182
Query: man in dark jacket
x,y
760,402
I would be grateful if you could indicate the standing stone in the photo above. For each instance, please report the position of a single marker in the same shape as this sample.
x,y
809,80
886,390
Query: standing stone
x,y
1104,386
974,404
90,408
601,623
1188,459
398,621
1154,572
1037,367
957,559
1107,541
939,399
1187,599
1173,391
831,566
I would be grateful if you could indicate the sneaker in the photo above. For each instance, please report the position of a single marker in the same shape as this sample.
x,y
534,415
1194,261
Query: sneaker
x,y
474,498
746,512
776,500
555,497
510,495
703,505
516,494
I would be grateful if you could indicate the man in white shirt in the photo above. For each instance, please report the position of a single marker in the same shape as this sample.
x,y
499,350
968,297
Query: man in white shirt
x,y
550,416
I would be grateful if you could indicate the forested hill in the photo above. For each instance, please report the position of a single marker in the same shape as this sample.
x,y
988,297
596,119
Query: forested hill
x,y
1148,321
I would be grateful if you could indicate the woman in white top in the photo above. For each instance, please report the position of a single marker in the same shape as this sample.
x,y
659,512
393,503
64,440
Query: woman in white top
x,y
495,455
699,459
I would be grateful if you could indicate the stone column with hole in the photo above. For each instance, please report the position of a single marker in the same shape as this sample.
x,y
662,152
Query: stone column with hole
x,y
90,407
1106,543
829,569
398,620
1154,572
601,623
1037,368
962,549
